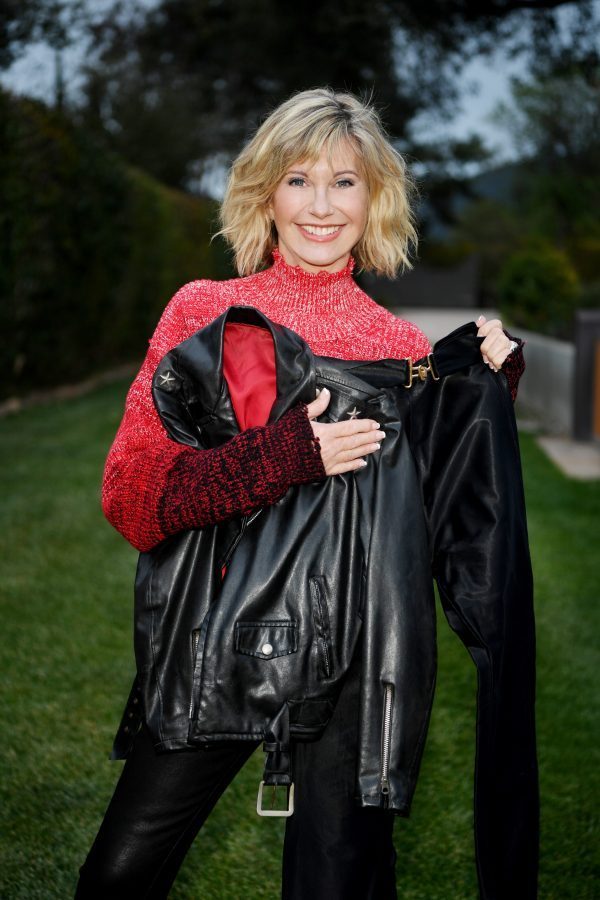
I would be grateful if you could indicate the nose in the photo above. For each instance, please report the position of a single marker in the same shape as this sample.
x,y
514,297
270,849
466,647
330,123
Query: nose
x,y
320,204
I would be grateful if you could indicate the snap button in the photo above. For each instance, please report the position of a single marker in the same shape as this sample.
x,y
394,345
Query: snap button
x,y
267,649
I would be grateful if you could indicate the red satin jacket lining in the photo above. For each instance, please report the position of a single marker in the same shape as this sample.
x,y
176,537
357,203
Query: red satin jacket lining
x,y
249,369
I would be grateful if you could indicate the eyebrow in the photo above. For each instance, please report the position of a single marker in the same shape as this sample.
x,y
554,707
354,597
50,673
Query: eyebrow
x,y
335,174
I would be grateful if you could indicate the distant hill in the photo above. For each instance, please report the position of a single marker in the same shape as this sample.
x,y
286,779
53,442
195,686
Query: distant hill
x,y
494,184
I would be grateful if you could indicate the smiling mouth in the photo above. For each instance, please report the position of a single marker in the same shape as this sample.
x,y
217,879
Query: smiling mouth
x,y
321,230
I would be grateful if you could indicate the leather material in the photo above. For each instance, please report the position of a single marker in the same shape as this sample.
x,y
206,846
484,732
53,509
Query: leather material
x,y
350,559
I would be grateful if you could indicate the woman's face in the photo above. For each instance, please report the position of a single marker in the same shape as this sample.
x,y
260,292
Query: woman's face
x,y
320,211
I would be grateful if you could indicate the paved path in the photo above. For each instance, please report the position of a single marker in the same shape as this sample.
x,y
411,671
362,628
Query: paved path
x,y
576,459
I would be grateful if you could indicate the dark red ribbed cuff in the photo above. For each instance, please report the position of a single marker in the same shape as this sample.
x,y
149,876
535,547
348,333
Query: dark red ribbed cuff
x,y
514,365
303,458
253,469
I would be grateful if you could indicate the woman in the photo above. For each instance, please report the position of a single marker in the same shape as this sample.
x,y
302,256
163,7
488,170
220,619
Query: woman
x,y
318,187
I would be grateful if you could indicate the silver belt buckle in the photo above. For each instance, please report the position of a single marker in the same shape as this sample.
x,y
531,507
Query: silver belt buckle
x,y
275,812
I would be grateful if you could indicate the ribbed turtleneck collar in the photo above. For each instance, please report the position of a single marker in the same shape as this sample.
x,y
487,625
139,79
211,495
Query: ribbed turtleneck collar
x,y
320,305
283,269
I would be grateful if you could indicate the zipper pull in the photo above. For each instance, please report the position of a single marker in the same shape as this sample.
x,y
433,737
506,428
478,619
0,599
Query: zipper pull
x,y
385,793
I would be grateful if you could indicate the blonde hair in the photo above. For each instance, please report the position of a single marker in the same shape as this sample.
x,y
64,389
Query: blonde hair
x,y
298,130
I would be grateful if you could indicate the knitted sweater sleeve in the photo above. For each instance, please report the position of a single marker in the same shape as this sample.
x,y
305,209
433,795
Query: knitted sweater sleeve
x,y
154,487
514,365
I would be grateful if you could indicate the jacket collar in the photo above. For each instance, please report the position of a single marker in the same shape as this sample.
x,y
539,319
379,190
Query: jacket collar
x,y
190,391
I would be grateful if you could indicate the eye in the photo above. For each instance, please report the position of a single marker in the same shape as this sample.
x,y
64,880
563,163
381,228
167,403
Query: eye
x,y
297,180
345,182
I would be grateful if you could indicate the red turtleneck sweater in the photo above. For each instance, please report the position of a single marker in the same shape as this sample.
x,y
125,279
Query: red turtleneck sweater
x,y
154,487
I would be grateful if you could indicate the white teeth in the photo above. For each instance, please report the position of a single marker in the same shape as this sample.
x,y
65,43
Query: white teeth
x,y
321,229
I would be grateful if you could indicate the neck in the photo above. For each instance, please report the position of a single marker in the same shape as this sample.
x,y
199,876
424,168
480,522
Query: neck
x,y
324,307
295,288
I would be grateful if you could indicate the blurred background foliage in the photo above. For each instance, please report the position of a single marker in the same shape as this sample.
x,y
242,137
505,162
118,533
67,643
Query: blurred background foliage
x,y
540,246
90,249
107,192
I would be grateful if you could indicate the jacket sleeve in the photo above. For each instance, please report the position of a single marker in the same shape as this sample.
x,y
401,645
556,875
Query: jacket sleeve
x,y
465,443
154,487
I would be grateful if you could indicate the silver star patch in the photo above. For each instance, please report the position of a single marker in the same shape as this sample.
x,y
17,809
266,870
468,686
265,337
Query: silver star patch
x,y
166,379
353,414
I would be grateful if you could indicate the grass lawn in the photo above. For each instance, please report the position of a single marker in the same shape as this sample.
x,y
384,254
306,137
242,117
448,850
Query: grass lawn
x,y
67,665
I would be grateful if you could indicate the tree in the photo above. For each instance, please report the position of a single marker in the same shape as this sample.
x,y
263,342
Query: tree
x,y
555,121
175,85
54,22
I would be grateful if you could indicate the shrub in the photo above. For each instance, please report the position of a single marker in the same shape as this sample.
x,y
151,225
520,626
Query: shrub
x,y
538,290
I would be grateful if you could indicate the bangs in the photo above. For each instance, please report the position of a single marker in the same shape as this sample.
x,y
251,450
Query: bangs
x,y
303,139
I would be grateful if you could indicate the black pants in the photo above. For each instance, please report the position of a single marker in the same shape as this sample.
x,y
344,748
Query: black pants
x,y
333,848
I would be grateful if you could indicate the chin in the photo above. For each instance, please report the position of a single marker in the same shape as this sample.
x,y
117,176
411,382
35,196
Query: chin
x,y
322,256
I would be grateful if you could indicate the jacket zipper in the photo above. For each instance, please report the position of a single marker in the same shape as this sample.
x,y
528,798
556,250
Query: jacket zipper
x,y
195,639
386,737
246,520
324,637
198,631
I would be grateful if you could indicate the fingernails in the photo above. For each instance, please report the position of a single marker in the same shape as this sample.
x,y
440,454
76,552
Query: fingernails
x,y
480,320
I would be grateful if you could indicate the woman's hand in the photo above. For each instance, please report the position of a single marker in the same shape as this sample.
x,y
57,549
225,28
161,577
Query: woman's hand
x,y
343,444
496,346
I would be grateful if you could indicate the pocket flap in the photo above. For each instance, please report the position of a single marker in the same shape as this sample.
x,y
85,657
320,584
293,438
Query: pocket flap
x,y
268,638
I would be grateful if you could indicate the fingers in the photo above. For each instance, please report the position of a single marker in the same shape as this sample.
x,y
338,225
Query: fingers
x,y
347,467
343,428
339,446
351,447
485,326
343,445
318,406
496,346
349,428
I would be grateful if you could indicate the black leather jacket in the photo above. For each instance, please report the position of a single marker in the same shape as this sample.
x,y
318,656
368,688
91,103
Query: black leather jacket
x,y
262,653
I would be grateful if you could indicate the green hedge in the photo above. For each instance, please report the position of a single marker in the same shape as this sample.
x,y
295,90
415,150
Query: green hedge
x,y
90,251
539,289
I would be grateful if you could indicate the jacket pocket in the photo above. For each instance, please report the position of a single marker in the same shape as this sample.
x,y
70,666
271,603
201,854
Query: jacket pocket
x,y
267,639
322,627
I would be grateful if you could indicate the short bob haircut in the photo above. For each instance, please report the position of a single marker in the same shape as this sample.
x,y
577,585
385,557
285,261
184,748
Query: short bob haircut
x,y
298,130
